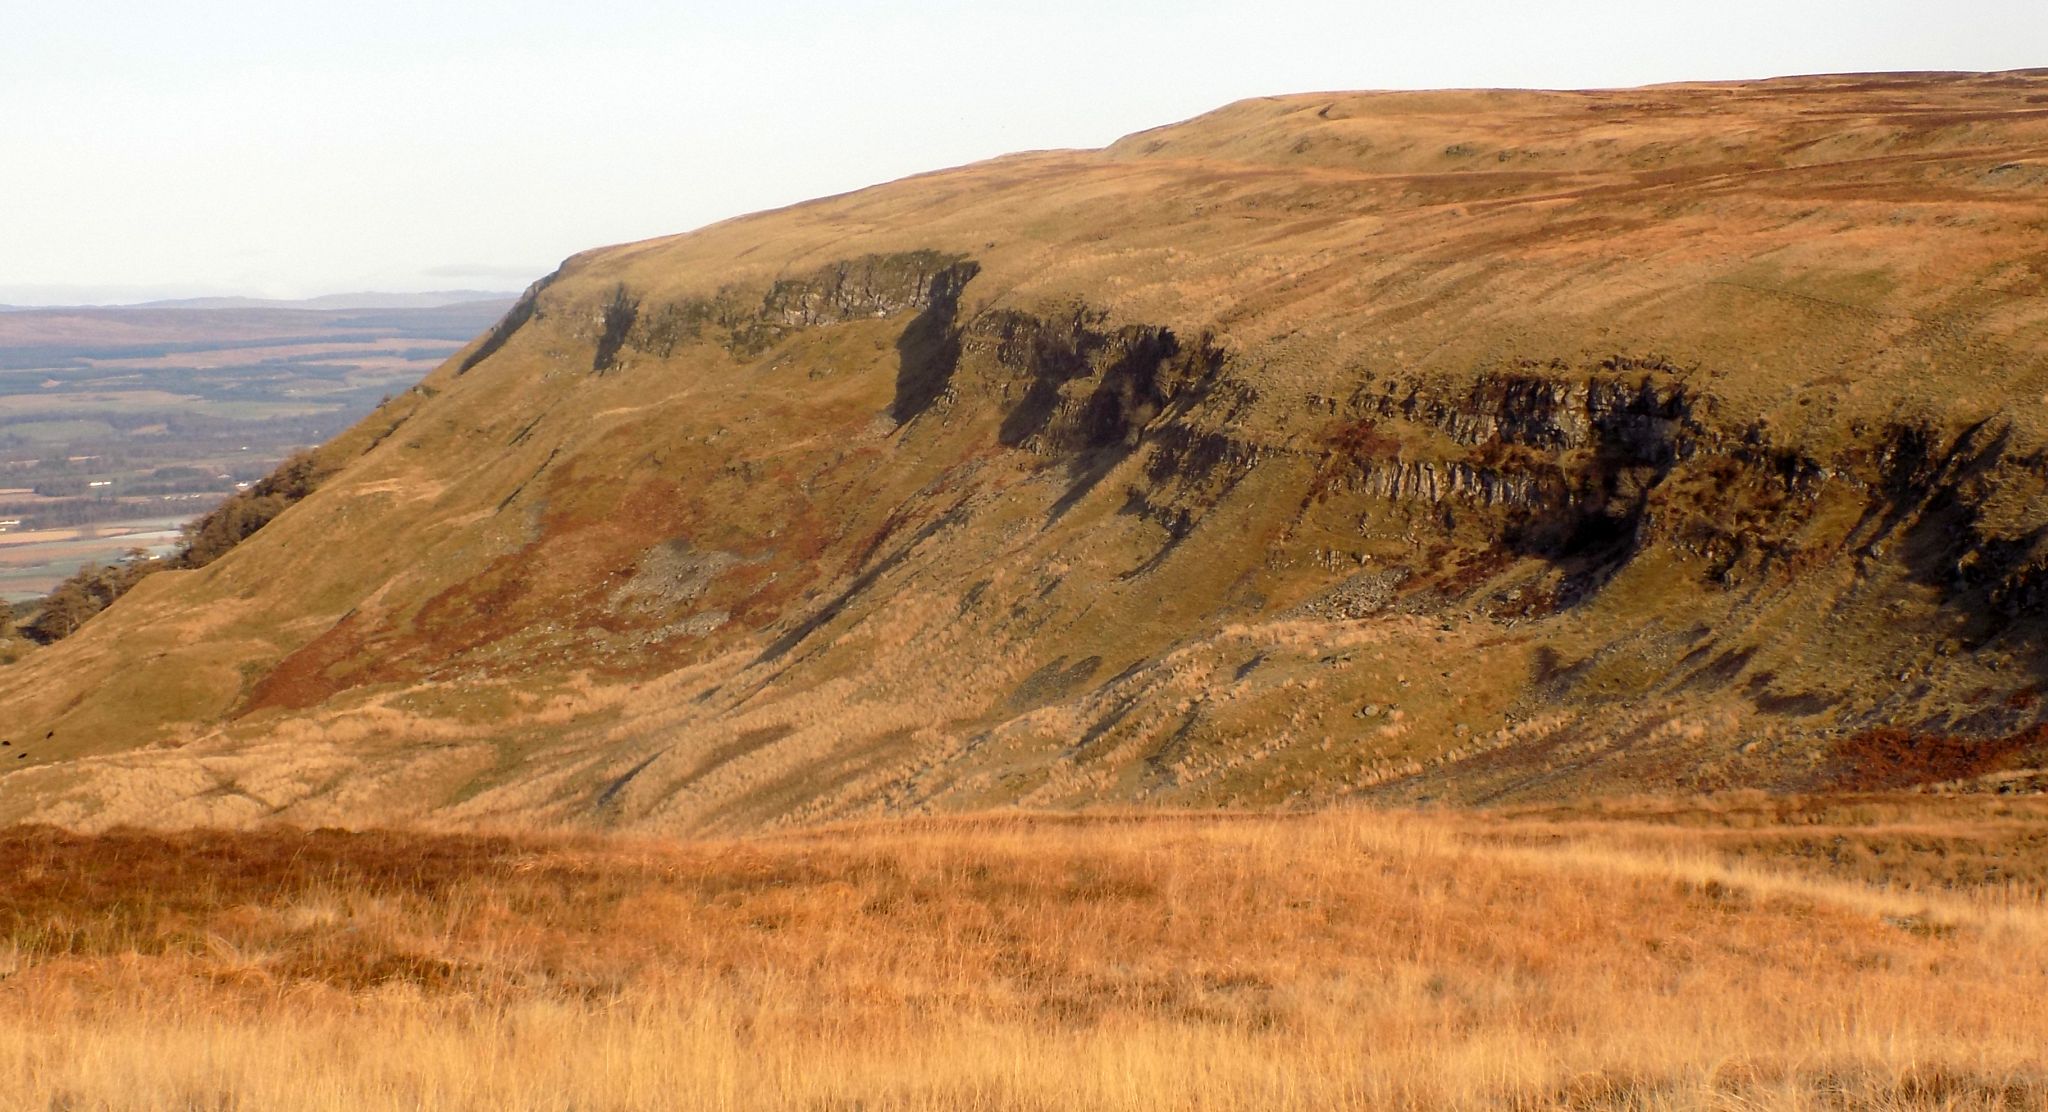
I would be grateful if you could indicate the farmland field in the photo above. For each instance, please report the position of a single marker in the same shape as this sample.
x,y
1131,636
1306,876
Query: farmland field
x,y
118,424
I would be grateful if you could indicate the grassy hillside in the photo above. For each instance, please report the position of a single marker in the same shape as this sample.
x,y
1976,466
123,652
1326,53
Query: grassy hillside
x,y
1471,445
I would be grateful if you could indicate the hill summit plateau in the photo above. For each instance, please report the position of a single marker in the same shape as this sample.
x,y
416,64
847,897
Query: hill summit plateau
x,y
1463,445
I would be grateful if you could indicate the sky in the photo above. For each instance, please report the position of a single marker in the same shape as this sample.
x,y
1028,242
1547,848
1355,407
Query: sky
x,y
281,148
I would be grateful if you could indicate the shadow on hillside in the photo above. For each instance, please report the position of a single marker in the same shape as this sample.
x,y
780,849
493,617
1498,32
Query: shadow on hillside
x,y
928,352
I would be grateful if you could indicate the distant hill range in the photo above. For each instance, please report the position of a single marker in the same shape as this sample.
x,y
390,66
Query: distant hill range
x,y
370,300
435,299
1458,446
61,335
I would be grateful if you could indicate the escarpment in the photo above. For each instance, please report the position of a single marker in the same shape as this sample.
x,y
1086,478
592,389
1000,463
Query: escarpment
x,y
1211,469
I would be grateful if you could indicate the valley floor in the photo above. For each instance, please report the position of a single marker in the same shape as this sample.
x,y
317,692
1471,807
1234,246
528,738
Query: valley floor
x,y
1746,952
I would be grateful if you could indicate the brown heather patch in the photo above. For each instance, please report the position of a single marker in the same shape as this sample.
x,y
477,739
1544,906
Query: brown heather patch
x,y
1888,759
1659,956
305,677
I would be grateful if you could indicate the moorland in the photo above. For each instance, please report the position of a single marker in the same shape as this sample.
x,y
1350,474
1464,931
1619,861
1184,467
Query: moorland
x,y
1874,952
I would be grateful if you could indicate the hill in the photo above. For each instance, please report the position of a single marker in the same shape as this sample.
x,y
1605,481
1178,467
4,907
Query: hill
x,y
1465,445
435,299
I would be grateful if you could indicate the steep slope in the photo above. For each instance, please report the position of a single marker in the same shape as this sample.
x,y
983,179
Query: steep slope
x,y
1465,445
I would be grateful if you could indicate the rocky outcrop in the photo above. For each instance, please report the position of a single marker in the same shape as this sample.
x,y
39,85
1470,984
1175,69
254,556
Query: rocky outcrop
x,y
614,324
1075,384
1643,417
748,321
1584,466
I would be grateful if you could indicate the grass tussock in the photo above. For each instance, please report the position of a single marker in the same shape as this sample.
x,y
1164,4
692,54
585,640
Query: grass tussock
x,y
1630,958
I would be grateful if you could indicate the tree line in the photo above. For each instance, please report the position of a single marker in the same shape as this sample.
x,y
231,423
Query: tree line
x,y
94,587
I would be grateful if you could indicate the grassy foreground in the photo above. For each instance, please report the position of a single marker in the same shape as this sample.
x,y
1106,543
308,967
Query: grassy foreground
x,y
1754,953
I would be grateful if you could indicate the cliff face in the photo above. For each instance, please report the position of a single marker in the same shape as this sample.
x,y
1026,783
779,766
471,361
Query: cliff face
x,y
1463,445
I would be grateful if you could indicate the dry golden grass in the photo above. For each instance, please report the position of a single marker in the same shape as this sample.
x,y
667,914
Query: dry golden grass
x,y
1644,956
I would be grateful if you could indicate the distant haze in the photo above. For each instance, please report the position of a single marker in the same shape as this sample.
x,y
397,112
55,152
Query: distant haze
x,y
429,299
432,299
236,148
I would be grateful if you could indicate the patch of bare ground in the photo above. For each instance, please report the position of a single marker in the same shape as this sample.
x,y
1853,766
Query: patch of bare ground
x,y
1643,955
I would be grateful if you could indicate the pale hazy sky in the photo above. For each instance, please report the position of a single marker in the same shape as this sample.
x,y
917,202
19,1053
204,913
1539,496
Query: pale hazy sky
x,y
283,148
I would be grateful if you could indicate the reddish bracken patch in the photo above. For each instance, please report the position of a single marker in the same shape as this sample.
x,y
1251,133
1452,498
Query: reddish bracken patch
x,y
125,888
306,677
1889,758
